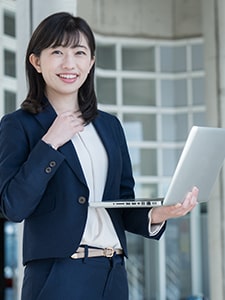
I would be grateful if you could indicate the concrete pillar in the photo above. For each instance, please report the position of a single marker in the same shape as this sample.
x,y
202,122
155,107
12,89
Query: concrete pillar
x,y
41,9
220,34
214,36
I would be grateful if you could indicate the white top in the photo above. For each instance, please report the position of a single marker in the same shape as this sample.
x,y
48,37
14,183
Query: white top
x,y
99,230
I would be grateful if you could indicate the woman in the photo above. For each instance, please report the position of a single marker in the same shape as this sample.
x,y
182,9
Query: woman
x,y
58,153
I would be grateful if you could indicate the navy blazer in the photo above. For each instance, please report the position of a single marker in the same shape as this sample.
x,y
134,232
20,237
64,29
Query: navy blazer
x,y
48,190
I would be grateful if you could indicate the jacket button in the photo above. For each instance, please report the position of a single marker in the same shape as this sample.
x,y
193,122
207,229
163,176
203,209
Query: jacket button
x,y
81,200
48,170
52,163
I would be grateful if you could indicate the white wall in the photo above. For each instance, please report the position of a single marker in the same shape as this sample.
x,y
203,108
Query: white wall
x,y
43,8
214,34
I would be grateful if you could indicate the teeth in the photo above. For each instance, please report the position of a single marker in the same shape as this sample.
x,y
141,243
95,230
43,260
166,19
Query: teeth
x,y
67,76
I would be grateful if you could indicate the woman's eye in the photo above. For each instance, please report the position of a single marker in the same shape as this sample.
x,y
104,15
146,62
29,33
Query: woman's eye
x,y
56,52
80,52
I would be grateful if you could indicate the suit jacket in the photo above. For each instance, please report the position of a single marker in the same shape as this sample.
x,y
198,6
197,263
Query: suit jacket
x,y
47,188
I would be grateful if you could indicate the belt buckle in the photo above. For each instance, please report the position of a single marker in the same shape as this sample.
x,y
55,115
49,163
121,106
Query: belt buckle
x,y
108,252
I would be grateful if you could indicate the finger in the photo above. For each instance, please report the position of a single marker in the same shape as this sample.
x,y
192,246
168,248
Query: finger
x,y
195,192
187,200
78,116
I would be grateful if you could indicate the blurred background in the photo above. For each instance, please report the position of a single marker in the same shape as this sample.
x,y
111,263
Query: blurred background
x,y
160,67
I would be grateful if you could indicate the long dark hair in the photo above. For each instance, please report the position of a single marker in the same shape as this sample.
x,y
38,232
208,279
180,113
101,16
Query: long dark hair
x,y
59,29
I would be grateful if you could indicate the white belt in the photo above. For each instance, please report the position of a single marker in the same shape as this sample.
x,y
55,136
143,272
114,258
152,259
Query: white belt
x,y
92,252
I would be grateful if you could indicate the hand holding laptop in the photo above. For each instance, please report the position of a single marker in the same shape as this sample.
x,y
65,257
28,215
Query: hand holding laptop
x,y
162,213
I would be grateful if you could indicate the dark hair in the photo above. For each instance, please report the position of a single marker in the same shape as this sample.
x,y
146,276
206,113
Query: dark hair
x,y
59,29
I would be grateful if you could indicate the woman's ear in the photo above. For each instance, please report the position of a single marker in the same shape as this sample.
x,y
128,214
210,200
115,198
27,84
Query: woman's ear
x,y
35,61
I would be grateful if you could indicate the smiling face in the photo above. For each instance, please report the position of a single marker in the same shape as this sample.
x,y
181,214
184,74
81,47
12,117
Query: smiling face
x,y
64,69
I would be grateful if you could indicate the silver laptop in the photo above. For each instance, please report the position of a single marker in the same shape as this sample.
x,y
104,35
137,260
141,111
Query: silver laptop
x,y
199,165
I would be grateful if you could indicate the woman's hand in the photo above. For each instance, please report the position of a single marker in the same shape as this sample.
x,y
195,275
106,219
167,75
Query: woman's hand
x,y
163,213
64,127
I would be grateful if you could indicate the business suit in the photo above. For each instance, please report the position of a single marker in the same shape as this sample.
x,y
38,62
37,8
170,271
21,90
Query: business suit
x,y
47,188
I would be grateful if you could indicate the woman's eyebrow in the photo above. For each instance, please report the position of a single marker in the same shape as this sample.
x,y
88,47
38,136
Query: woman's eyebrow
x,y
81,46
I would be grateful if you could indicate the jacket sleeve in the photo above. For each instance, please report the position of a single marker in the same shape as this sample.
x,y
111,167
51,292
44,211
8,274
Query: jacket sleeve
x,y
24,171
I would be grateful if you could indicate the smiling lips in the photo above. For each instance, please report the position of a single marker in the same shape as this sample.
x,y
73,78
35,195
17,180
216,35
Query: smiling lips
x,y
70,77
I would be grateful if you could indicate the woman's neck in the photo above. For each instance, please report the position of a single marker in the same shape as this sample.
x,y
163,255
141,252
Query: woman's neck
x,y
63,103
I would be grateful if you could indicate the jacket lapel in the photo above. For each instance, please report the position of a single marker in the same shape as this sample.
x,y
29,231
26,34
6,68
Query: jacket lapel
x,y
101,127
72,159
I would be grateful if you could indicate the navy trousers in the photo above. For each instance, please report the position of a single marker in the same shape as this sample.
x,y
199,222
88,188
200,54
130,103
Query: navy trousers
x,y
95,278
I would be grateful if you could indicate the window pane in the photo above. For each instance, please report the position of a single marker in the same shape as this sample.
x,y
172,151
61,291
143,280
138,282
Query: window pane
x,y
170,160
178,259
174,93
144,161
106,90
138,59
140,127
9,101
10,259
146,190
175,127
198,88
106,57
199,119
135,266
139,92
10,63
173,59
197,57
9,24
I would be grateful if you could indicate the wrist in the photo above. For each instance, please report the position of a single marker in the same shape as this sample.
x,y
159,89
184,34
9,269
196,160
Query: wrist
x,y
156,217
53,146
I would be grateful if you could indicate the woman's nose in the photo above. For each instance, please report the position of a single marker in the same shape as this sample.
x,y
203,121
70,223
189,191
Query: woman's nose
x,y
69,62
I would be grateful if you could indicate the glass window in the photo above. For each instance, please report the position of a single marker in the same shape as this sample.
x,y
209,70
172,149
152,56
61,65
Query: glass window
x,y
144,161
134,267
174,127
146,190
197,57
146,76
138,59
178,259
9,101
140,127
9,24
106,57
198,88
106,90
199,119
10,63
174,92
10,261
173,59
170,160
139,92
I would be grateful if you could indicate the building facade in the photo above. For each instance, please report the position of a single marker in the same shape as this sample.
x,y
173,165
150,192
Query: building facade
x,y
159,68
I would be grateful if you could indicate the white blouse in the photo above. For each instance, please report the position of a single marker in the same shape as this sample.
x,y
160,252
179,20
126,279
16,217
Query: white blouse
x,y
99,230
